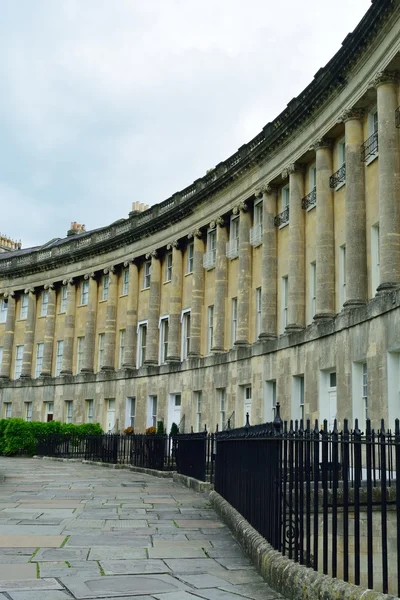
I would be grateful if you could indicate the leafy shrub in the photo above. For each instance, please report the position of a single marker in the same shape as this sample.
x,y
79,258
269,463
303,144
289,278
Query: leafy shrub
x,y
174,429
18,437
160,428
3,425
129,431
150,431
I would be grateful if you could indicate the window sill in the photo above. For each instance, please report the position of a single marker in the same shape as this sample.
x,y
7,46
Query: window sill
x,y
168,281
144,289
371,159
123,295
22,319
62,312
80,305
283,226
42,316
103,300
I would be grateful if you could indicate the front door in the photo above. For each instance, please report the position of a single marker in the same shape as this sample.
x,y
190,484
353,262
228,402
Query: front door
x,y
247,404
110,416
174,412
332,408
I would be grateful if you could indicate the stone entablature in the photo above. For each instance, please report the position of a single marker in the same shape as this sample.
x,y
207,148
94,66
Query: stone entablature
x,y
328,82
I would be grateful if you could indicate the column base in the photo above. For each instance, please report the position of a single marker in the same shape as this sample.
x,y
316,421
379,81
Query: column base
x,y
266,337
87,370
292,328
150,363
324,317
354,304
241,343
383,288
66,372
4,378
25,376
173,359
107,368
45,374
128,366
218,350
194,355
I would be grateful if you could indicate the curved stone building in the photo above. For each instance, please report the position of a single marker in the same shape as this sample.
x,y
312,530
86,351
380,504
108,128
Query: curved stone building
x,y
273,277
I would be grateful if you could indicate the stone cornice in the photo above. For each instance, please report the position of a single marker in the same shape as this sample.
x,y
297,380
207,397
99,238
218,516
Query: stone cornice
x,y
300,111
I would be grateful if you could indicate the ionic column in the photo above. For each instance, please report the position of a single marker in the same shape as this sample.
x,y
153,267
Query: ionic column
x,y
69,328
197,294
131,315
154,310
325,234
389,180
221,282
356,245
8,339
29,334
49,332
175,304
90,330
269,264
296,275
244,281
111,321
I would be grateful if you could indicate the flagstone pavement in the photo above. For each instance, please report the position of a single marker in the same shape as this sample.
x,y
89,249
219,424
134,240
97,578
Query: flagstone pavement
x,y
69,530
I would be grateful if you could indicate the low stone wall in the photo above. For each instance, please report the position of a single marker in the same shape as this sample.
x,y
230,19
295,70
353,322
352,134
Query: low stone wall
x,y
292,580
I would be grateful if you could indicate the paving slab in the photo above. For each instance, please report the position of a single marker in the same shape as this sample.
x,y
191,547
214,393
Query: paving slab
x,y
22,541
202,524
40,595
59,554
176,552
133,567
29,585
199,565
117,553
111,587
17,571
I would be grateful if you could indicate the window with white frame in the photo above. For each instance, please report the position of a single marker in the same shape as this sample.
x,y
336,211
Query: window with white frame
x,y
7,410
298,398
49,411
342,274
132,410
373,142
105,287
168,266
185,334
80,348
63,300
365,390
234,321
152,411
312,177
210,328
19,354
284,308
121,358
59,356
341,152
125,282
375,258
232,247
270,400
84,292
68,411
190,255
24,306
141,343
3,310
198,407
39,359
313,291
258,312
147,274
373,121
45,303
28,411
360,391
210,255
164,333
222,407
100,351
256,232
285,197
89,411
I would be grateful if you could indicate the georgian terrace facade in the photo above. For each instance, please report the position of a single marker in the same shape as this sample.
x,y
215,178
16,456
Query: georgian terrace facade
x,y
274,277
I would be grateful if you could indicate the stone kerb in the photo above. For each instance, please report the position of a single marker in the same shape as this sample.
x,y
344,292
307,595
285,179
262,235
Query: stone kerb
x,y
293,580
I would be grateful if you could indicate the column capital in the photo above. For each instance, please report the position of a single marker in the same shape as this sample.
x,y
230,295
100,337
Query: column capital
x,y
109,270
29,291
9,294
69,281
174,244
89,276
269,189
130,261
152,254
352,113
241,207
49,286
292,168
383,77
195,233
324,142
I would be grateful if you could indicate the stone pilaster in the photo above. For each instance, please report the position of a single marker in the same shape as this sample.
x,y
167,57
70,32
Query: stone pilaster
x,y
154,310
175,304
49,331
29,334
90,330
269,264
325,233
244,280
131,316
221,283
111,320
197,294
8,340
296,275
69,328
356,245
389,180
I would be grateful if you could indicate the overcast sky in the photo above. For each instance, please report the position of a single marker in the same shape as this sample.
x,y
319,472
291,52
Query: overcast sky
x,y
104,102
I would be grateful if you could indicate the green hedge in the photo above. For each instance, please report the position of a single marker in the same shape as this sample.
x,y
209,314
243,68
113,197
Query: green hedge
x,y
17,435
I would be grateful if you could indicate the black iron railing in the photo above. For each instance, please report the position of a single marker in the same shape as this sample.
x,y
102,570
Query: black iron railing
x,y
370,147
329,500
310,200
282,218
338,177
398,117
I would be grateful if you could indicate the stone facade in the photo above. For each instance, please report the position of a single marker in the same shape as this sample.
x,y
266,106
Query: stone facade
x,y
273,278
